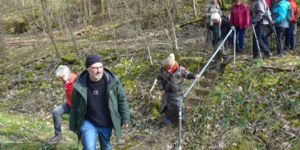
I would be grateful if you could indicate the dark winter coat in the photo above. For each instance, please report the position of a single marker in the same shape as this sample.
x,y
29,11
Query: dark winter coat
x,y
117,103
171,85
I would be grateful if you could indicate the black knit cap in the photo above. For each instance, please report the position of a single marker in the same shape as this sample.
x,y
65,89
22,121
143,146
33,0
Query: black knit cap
x,y
91,59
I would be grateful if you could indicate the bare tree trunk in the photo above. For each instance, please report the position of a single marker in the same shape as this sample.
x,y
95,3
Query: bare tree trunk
x,y
2,44
44,9
90,10
101,7
69,28
143,35
175,41
110,17
23,3
195,8
103,10
140,7
86,13
172,28
85,7
173,8
222,4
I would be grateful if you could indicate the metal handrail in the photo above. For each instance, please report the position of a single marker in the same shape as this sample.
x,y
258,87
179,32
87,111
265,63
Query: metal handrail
x,y
200,74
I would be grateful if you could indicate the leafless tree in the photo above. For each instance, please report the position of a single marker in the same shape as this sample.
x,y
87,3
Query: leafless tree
x,y
195,8
69,28
47,26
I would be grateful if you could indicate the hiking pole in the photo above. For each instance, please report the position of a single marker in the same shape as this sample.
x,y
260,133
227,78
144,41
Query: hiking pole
x,y
254,32
277,38
191,86
234,45
154,83
295,35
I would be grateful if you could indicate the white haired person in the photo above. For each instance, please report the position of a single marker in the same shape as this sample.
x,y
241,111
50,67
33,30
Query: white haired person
x,y
215,26
213,15
67,77
170,81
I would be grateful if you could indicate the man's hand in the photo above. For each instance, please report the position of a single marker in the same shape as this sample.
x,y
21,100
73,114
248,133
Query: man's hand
x,y
124,126
197,76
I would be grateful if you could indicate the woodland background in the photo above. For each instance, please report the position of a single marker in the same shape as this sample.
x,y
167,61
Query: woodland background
x,y
250,105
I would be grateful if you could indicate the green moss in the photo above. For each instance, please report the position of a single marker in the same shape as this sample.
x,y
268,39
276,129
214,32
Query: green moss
x,y
44,85
70,59
295,122
192,63
39,66
29,75
244,143
263,137
15,24
295,145
154,113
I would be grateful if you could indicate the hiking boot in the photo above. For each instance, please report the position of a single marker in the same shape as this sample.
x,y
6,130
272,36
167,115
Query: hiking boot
x,y
280,55
55,139
166,122
227,59
269,55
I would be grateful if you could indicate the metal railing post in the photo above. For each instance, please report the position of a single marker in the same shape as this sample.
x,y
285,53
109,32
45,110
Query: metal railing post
x,y
191,86
180,123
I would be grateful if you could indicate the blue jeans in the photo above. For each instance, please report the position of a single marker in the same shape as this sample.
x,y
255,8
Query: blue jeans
x,y
56,114
289,37
89,132
240,35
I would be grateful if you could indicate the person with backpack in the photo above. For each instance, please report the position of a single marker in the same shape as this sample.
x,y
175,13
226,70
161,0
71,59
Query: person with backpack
x,y
240,19
261,18
269,2
215,27
213,15
280,18
289,32
221,59
68,78
170,81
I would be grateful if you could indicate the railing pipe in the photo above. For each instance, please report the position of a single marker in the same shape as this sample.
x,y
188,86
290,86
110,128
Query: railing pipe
x,y
194,82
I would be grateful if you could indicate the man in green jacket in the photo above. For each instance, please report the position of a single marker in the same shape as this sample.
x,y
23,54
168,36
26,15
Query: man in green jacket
x,y
99,104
